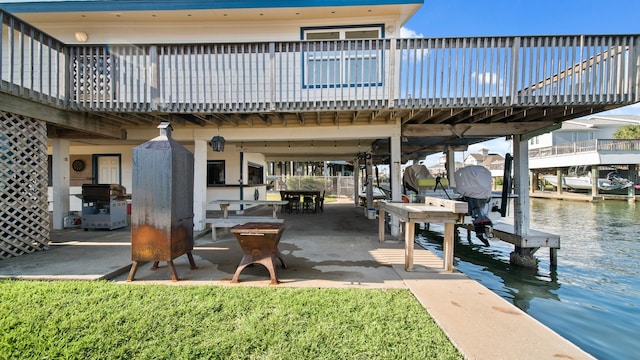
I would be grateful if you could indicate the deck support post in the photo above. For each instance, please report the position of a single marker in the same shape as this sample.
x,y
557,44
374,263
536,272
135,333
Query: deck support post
x,y
356,182
594,180
631,191
396,177
451,166
369,190
533,181
396,168
61,183
521,256
200,184
521,186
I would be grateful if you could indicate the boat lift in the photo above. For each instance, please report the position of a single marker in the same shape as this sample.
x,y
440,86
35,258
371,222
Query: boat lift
x,y
474,187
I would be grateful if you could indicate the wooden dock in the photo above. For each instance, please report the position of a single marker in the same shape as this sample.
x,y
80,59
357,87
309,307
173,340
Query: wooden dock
x,y
571,196
527,243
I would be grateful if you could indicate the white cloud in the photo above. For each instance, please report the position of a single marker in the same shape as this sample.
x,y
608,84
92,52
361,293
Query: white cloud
x,y
491,82
408,33
486,78
496,146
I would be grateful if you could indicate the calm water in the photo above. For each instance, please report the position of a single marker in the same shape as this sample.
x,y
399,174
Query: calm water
x,y
593,297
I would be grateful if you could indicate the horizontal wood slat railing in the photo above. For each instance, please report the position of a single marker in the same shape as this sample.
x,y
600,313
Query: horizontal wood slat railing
x,y
594,145
320,75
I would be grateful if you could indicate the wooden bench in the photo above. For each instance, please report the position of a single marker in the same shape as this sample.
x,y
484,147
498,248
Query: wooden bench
x,y
232,221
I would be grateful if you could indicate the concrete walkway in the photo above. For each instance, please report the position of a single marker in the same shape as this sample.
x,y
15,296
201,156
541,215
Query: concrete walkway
x,y
334,249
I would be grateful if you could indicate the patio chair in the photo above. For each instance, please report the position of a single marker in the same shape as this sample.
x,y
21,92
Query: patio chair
x,y
283,196
294,203
308,204
320,202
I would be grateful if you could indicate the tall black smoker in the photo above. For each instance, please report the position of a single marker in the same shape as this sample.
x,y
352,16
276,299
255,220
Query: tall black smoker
x,y
161,202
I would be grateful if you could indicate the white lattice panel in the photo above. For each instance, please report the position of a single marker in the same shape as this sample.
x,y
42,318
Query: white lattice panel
x,y
24,218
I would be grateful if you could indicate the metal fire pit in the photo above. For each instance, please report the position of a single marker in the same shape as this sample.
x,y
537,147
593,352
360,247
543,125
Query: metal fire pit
x,y
259,242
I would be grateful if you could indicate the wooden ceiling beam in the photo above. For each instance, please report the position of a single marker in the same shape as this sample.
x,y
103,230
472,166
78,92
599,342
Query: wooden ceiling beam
x,y
83,122
265,119
472,130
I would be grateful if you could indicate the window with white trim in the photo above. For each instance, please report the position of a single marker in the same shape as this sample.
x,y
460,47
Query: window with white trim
x,y
256,174
215,172
343,57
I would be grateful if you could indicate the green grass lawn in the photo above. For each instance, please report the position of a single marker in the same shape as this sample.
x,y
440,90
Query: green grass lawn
x,y
106,320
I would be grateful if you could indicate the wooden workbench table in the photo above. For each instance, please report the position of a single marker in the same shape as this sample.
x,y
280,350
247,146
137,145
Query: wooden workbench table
x,y
433,210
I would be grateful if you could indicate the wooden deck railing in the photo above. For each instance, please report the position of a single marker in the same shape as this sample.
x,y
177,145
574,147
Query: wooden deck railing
x,y
595,145
33,64
317,75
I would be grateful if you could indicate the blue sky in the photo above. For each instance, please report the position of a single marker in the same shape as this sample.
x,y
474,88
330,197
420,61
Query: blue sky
x,y
455,18
530,17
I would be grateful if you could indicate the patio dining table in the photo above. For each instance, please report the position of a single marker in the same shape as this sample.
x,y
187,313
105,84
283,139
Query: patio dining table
x,y
314,194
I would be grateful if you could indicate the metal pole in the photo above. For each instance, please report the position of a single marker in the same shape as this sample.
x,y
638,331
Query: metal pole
x,y
241,181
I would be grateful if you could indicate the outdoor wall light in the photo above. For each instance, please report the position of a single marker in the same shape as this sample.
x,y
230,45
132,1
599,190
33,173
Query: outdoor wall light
x,y
82,36
217,143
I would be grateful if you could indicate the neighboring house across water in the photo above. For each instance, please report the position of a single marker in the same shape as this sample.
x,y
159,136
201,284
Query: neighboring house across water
x,y
281,81
493,162
587,143
440,168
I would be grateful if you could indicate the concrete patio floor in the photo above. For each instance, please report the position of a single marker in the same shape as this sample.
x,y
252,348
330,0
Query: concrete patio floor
x,y
334,249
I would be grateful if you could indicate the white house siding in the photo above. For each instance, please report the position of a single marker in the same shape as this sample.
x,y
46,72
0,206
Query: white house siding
x,y
541,141
589,128
231,156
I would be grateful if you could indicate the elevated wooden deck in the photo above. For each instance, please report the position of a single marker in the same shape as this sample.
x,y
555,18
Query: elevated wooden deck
x,y
442,92
441,81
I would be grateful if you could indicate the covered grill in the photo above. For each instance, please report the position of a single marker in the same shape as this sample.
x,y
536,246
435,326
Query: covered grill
x,y
162,202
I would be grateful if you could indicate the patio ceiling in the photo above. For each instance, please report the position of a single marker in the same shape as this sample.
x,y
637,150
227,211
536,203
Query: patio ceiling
x,y
83,13
424,131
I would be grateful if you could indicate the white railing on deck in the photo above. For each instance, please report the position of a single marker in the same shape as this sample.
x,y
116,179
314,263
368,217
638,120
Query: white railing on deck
x,y
247,77
32,63
321,75
595,145
504,71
